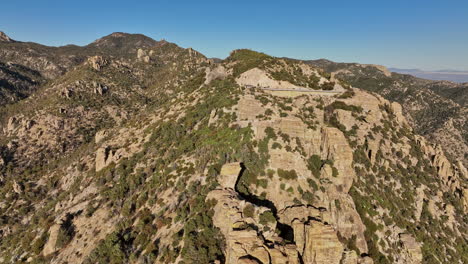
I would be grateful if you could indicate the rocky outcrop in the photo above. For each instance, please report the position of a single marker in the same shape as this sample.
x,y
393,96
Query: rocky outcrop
x,y
248,238
13,122
322,244
104,156
349,257
217,73
97,62
334,209
100,135
335,147
411,253
465,199
398,111
229,174
18,187
5,38
142,56
248,260
345,118
99,88
451,174
50,247
258,77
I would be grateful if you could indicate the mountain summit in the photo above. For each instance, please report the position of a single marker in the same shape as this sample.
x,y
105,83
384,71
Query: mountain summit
x,y
119,41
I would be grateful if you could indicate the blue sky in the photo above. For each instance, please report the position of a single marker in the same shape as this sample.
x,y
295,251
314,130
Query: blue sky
x,y
406,34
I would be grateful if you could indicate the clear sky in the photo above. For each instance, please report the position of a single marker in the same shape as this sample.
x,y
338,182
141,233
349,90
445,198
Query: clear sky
x,y
421,34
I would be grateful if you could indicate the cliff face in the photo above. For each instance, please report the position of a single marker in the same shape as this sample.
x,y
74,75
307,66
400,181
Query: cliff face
x,y
436,109
162,156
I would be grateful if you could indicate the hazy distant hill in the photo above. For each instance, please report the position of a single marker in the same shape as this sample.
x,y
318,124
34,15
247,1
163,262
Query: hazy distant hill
x,y
442,75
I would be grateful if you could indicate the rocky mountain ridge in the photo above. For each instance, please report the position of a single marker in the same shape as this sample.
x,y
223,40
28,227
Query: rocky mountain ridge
x,y
161,155
436,109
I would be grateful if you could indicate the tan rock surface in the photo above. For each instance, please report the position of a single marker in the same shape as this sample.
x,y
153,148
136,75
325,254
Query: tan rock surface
x,y
258,77
244,242
412,249
322,244
229,174
97,62
103,158
50,246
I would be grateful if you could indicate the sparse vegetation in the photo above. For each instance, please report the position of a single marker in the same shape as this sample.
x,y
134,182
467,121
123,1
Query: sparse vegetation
x,y
287,174
167,132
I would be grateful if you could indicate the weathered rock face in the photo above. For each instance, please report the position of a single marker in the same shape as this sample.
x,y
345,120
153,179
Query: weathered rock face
x,y
233,216
4,37
216,73
411,250
142,56
258,77
229,174
12,124
18,187
335,147
104,157
465,199
322,244
453,175
315,229
417,97
99,88
248,260
50,246
88,232
100,135
97,62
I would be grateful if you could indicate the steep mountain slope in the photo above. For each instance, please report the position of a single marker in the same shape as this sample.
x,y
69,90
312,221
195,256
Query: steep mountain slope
x,y
17,82
456,92
20,60
164,156
436,109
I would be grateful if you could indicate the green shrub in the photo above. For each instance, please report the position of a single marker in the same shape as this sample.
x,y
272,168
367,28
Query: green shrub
x,y
287,174
270,133
38,245
334,172
66,231
314,164
308,197
347,94
267,217
115,248
249,211
342,105
276,145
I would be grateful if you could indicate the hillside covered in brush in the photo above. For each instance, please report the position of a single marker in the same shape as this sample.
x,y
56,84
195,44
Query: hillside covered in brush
x,y
131,150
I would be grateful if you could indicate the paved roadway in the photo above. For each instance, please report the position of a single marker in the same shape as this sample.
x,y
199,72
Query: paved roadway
x,y
294,90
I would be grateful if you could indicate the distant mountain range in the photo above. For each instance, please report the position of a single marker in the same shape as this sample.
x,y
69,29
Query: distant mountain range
x,y
447,75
